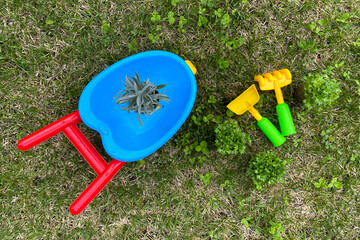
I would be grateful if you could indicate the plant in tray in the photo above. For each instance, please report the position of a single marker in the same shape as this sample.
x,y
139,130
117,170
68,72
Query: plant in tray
x,y
143,97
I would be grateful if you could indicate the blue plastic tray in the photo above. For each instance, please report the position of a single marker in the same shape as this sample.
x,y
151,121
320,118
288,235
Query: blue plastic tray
x,y
123,137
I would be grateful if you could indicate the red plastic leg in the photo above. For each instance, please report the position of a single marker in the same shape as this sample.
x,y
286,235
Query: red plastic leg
x,y
48,131
77,138
95,187
87,150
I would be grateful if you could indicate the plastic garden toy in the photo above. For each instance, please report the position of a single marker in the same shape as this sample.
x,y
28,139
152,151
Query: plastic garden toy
x,y
123,138
245,102
275,81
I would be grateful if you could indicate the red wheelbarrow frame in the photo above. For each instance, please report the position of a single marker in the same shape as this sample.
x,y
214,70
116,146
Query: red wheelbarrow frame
x,y
67,125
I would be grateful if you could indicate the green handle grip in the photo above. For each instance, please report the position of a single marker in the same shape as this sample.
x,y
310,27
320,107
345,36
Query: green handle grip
x,y
271,132
285,119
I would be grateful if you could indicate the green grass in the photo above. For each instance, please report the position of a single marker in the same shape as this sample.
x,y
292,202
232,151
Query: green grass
x,y
50,51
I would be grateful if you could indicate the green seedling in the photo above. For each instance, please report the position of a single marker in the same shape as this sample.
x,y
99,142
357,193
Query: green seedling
x,y
155,16
202,147
205,179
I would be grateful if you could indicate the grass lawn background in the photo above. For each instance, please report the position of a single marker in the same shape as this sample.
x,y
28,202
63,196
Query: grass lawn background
x,y
51,50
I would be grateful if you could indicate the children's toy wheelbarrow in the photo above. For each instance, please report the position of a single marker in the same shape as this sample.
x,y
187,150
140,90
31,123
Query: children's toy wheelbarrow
x,y
123,138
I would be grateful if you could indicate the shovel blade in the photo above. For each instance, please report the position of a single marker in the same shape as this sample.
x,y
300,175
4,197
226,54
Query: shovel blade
x,y
246,100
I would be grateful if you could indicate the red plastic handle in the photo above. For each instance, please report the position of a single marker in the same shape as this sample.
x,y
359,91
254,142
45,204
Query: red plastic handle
x,y
48,131
95,187
105,171
87,150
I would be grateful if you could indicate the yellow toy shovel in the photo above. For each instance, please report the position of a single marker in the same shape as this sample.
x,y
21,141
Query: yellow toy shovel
x,y
275,81
244,103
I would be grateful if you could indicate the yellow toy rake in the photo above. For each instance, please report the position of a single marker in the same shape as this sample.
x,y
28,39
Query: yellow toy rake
x,y
275,81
